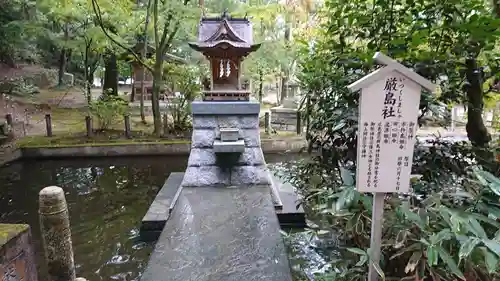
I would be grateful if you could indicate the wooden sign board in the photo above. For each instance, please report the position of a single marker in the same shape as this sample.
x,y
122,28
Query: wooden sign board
x,y
388,112
387,127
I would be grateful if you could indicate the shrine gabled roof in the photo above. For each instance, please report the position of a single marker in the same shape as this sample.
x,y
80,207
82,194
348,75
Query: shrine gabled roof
x,y
204,46
225,32
214,29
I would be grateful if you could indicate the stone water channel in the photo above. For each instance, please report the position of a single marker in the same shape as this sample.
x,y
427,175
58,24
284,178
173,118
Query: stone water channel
x,y
107,199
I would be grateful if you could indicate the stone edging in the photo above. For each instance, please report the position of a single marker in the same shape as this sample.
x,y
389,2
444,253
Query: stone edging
x,y
292,145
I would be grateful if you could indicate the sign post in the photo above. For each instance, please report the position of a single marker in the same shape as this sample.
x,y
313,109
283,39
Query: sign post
x,y
388,112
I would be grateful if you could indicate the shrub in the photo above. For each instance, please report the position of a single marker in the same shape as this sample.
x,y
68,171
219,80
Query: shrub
x,y
183,79
18,86
447,228
108,109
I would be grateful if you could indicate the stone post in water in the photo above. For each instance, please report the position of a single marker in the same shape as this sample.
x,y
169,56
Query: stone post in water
x,y
56,234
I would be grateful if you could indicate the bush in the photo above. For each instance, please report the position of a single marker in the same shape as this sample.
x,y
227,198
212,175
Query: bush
x,y
18,86
108,109
183,79
448,227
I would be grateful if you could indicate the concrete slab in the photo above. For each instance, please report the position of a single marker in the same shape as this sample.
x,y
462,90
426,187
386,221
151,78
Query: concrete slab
x,y
159,211
283,197
223,234
289,216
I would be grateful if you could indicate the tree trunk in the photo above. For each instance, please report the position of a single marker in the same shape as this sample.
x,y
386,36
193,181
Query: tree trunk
x,y
63,57
496,6
143,89
132,94
278,91
86,74
284,88
111,73
62,66
261,86
476,130
144,55
92,69
155,97
143,115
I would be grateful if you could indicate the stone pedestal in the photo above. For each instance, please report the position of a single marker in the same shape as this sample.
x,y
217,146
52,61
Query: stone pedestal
x,y
17,261
284,119
205,166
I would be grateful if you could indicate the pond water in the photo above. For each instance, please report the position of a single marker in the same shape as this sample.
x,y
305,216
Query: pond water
x,y
107,198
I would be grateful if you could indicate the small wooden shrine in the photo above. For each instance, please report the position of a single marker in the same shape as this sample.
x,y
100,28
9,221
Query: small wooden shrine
x,y
225,41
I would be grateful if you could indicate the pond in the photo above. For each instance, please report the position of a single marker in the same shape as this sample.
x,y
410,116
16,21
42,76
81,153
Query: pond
x,y
107,198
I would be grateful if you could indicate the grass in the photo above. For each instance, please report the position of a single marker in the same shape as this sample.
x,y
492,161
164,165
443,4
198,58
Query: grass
x,y
65,140
116,137
69,129
72,120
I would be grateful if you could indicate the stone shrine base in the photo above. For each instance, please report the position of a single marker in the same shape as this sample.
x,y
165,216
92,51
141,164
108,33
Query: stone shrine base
x,y
223,234
220,220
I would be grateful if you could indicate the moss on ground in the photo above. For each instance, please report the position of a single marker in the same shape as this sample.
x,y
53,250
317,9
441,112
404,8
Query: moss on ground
x,y
82,140
115,137
72,120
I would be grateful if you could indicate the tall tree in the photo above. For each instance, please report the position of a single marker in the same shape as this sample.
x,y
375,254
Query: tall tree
x,y
19,30
111,73
66,21
144,53
165,29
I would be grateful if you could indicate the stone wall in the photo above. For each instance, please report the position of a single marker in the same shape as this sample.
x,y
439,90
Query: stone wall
x,y
288,145
206,168
17,260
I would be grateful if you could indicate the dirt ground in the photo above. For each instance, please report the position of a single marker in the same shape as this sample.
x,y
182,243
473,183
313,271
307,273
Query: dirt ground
x,y
66,106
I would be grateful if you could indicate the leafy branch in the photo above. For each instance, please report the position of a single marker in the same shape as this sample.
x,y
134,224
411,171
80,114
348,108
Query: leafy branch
x,y
98,13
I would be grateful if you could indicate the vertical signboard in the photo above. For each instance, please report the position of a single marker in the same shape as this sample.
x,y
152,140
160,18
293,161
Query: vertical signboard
x,y
388,112
387,128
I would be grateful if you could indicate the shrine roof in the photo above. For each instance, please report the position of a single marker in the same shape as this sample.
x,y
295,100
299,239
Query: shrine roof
x,y
206,46
214,30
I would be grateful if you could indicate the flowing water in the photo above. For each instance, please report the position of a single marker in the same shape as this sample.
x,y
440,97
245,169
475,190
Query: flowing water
x,y
107,198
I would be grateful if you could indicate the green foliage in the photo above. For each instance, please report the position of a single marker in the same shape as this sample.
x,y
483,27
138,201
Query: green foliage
x,y
182,79
448,227
18,86
17,31
107,109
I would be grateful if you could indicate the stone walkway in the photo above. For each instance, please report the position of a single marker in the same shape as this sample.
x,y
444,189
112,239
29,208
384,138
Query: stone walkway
x,y
220,234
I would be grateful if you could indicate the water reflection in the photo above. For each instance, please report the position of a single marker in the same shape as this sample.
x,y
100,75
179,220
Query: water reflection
x,y
107,199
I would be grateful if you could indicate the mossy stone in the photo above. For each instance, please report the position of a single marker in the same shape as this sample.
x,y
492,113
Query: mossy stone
x,y
10,231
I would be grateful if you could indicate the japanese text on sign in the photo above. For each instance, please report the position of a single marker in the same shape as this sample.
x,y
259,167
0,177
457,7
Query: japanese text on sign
x,y
387,134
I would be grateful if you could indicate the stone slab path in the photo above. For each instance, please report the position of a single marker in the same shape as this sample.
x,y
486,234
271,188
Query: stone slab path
x,y
220,234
